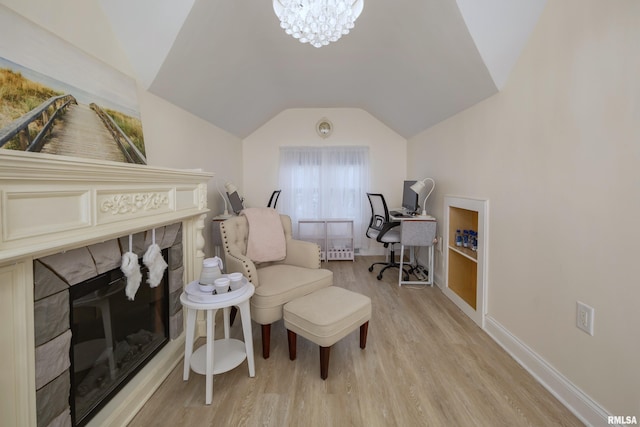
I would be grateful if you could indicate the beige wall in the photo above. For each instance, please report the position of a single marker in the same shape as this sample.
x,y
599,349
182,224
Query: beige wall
x,y
296,127
557,154
178,139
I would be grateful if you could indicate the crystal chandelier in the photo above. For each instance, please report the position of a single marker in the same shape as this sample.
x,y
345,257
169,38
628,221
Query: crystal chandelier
x,y
317,22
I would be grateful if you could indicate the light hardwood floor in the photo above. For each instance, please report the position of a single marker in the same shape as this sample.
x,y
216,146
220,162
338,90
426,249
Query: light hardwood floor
x,y
425,364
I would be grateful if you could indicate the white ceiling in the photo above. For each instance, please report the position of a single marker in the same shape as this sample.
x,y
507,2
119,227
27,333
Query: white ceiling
x,y
410,63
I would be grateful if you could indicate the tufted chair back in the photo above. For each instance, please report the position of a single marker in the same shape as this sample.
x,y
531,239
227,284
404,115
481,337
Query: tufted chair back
x,y
276,282
235,234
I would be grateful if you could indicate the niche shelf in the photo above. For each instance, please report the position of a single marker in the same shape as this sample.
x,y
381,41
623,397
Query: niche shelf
x,y
466,269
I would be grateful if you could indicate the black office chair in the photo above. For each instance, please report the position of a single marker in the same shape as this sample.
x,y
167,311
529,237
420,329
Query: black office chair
x,y
274,199
384,231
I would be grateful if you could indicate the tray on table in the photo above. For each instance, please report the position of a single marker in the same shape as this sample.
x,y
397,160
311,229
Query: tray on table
x,y
196,295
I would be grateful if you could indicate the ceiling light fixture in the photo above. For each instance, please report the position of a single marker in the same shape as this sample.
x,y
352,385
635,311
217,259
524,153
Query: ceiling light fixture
x,y
324,128
317,22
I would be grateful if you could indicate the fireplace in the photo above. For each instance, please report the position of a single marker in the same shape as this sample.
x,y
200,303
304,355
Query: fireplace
x,y
90,338
56,210
112,337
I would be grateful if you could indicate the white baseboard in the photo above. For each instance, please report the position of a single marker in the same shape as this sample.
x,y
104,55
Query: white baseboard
x,y
583,407
438,280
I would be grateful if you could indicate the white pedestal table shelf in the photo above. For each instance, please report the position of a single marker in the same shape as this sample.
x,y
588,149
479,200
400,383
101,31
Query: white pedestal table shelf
x,y
222,355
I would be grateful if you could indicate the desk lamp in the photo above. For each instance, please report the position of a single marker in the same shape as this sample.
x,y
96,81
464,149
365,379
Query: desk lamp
x,y
225,214
230,187
418,187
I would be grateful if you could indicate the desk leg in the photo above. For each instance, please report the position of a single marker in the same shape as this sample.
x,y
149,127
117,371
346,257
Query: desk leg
x,y
209,368
188,342
431,271
429,282
245,313
401,261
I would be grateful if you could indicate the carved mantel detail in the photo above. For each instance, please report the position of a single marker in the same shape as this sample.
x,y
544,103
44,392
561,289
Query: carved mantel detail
x,y
130,203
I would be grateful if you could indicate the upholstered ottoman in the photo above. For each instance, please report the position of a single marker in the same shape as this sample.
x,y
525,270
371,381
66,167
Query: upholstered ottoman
x,y
325,317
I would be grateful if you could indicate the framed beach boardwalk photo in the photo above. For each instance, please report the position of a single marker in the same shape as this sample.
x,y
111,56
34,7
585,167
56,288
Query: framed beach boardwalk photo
x,y
59,100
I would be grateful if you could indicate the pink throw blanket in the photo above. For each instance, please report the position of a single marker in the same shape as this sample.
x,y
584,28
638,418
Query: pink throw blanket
x,y
266,240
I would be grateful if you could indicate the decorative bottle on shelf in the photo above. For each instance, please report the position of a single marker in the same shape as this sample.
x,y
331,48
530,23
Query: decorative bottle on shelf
x,y
474,241
465,238
458,238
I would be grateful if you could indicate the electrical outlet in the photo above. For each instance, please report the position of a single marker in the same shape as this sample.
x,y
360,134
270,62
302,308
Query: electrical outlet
x,y
584,317
439,244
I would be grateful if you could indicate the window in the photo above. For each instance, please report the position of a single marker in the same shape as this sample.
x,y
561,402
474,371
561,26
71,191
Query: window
x,y
325,182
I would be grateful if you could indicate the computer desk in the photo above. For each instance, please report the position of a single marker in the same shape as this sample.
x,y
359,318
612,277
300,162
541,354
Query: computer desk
x,y
416,231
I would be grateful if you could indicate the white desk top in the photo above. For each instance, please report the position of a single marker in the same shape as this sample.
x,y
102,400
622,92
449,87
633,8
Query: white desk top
x,y
412,218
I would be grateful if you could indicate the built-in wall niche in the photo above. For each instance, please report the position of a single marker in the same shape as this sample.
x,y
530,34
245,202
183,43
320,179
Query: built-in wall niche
x,y
466,228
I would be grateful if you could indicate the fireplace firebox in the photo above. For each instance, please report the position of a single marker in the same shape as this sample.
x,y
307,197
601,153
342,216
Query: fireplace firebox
x,y
112,337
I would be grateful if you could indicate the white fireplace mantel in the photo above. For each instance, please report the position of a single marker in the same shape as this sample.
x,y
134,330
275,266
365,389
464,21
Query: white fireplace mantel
x,y
50,204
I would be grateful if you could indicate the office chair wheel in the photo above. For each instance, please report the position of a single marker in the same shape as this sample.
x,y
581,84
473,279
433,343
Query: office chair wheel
x,y
379,276
371,268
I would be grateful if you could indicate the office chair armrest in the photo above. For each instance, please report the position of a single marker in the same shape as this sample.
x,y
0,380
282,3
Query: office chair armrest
x,y
385,228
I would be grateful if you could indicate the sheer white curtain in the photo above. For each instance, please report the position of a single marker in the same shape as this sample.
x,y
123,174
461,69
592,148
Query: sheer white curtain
x,y
325,182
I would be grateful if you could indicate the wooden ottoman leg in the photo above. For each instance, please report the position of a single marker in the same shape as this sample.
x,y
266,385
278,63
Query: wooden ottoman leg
x,y
363,334
291,338
324,362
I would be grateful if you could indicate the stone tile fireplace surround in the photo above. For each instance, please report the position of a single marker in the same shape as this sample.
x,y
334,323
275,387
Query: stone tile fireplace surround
x,y
53,209
53,277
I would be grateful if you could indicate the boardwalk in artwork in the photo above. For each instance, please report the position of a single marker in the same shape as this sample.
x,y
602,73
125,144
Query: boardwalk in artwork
x,y
81,133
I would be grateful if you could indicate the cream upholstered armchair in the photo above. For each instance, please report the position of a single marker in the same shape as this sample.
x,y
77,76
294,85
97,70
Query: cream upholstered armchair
x,y
276,282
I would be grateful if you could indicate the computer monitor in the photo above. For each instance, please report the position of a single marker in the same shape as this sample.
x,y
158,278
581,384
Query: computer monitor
x,y
236,202
409,197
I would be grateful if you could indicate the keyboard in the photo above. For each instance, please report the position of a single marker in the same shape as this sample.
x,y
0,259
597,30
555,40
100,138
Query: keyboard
x,y
399,214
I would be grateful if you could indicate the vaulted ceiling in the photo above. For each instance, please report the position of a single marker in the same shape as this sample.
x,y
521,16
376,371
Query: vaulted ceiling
x,y
409,63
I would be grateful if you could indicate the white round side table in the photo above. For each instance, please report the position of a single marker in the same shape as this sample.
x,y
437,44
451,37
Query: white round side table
x,y
221,355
